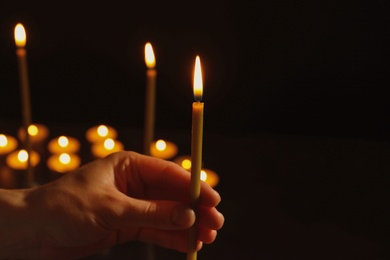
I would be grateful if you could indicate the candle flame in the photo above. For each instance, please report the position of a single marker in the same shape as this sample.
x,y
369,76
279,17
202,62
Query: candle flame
x,y
149,56
3,140
198,83
22,156
20,35
109,144
161,145
63,141
102,130
32,130
64,158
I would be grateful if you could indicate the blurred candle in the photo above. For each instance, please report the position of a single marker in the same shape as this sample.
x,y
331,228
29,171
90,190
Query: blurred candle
x,y
184,161
20,41
206,175
63,162
106,147
100,133
37,133
150,97
7,144
163,149
64,144
209,176
18,159
196,153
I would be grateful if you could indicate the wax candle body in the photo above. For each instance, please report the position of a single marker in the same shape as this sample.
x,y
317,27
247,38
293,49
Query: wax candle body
x,y
196,165
196,154
24,85
150,100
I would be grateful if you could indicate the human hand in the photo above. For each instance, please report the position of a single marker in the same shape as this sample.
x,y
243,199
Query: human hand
x,y
125,196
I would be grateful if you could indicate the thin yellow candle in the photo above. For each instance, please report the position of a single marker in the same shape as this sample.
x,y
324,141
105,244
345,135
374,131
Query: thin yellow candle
x,y
150,97
20,41
196,153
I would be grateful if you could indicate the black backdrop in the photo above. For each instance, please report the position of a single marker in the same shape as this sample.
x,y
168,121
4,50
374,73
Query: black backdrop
x,y
299,67
295,96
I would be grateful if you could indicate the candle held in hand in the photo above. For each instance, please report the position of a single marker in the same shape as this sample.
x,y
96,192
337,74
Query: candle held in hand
x,y
196,153
150,97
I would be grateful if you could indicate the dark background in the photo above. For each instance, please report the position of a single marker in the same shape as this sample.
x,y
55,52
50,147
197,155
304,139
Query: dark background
x,y
300,67
296,106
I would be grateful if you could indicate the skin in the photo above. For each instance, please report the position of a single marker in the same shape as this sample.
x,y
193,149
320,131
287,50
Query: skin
x,y
125,196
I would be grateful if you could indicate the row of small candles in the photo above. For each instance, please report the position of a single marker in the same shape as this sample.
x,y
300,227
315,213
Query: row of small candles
x,y
64,150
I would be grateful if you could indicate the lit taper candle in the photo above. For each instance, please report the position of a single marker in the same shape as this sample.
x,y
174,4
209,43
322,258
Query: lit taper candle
x,y
150,97
196,154
20,41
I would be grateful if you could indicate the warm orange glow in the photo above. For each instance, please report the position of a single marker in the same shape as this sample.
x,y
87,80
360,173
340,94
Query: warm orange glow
x,y
209,176
63,162
64,158
102,130
19,159
149,56
32,130
20,35
63,141
22,156
198,83
161,145
7,144
109,144
3,140
186,164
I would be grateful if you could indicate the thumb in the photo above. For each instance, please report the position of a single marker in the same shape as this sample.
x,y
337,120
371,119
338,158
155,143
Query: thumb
x,y
155,214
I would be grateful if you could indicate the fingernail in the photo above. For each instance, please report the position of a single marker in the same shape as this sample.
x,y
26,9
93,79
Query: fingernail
x,y
183,216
